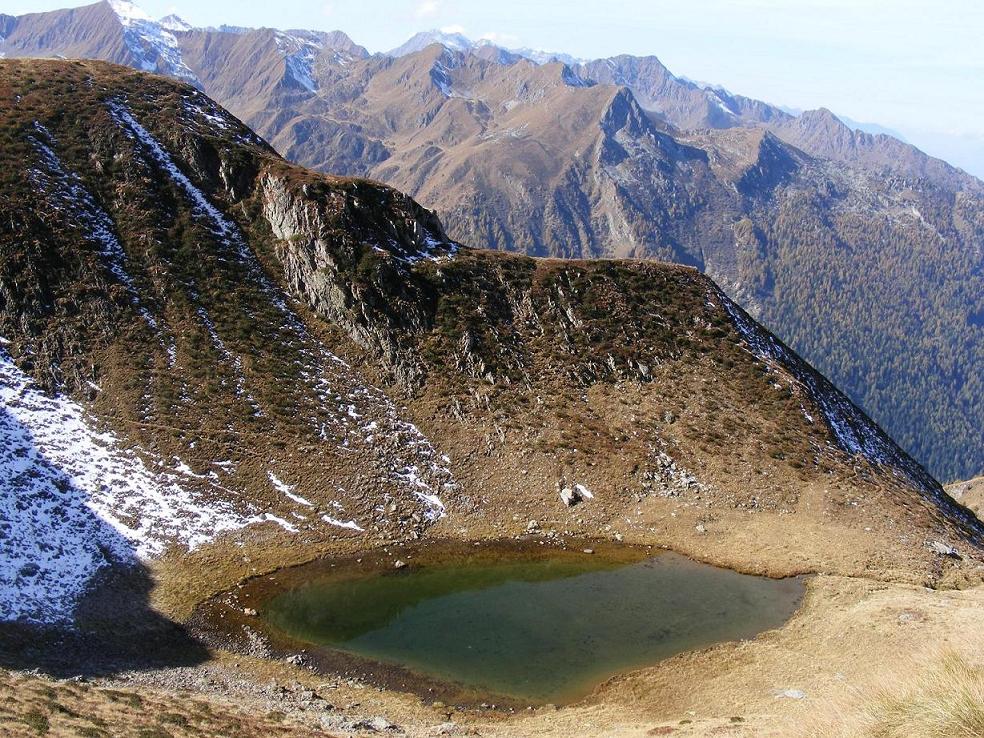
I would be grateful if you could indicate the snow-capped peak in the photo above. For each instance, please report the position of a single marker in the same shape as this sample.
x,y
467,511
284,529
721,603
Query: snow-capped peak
x,y
174,23
454,41
457,41
152,43
538,56
127,12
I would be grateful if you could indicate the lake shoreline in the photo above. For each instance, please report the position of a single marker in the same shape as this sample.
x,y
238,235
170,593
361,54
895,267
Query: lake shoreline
x,y
230,621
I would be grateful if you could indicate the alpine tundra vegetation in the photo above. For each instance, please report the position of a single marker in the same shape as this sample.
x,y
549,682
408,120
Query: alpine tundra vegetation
x,y
859,250
274,441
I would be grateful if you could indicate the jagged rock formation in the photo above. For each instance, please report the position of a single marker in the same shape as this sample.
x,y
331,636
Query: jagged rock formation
x,y
314,366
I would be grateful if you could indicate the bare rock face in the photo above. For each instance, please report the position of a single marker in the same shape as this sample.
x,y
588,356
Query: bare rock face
x,y
319,258
969,494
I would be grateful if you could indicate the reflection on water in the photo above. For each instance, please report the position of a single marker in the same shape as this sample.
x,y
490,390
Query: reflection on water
x,y
543,629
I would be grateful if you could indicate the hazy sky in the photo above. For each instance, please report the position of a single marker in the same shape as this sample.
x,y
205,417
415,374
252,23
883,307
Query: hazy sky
x,y
916,66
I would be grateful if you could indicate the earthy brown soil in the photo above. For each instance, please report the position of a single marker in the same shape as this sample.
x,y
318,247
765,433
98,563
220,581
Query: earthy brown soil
x,y
969,494
849,639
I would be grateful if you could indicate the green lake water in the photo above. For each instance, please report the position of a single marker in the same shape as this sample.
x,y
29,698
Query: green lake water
x,y
546,629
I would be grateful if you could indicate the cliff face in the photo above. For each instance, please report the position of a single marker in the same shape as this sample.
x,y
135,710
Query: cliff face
x,y
297,364
320,254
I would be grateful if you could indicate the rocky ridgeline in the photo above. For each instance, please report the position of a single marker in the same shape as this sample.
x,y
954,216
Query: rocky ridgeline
x,y
268,336
201,402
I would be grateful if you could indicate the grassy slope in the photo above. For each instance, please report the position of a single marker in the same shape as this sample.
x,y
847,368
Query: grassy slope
x,y
838,267
525,372
841,257
969,494
35,706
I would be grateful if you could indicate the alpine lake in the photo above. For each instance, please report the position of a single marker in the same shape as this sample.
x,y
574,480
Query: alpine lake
x,y
512,624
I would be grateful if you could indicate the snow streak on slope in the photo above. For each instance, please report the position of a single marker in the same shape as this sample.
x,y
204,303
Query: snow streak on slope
x,y
299,55
204,116
365,413
854,431
288,490
222,227
153,46
73,501
66,193
440,73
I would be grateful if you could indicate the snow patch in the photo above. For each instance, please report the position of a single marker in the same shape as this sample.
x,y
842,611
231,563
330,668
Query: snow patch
x,y
74,501
280,521
440,73
287,490
584,491
66,192
351,524
410,475
299,56
718,102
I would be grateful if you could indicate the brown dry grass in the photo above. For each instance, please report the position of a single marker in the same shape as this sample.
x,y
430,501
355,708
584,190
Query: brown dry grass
x,y
939,696
34,706
777,496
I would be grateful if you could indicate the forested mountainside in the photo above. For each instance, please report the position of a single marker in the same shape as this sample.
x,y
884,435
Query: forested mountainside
x,y
863,253
207,348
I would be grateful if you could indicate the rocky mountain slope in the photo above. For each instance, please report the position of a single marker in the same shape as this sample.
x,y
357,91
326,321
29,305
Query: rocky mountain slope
x,y
216,363
861,252
816,249
970,494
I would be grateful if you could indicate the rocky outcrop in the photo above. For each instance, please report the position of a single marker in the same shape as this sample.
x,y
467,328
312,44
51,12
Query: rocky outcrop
x,y
346,253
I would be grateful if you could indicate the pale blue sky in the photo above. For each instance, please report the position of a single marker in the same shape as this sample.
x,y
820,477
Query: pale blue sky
x,y
916,66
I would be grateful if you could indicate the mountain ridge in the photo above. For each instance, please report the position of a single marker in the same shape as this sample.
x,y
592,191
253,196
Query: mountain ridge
x,y
721,198
314,366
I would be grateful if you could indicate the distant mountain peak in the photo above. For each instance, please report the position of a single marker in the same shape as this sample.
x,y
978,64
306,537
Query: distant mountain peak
x,y
823,122
457,41
128,12
824,115
174,22
420,41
